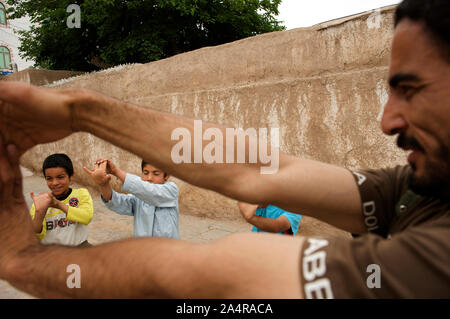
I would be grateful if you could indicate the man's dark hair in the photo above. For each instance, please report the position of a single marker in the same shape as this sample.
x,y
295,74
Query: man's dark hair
x,y
58,160
143,163
435,14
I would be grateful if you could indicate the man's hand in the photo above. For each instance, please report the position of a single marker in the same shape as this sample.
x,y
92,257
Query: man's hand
x,y
16,231
31,115
99,174
247,210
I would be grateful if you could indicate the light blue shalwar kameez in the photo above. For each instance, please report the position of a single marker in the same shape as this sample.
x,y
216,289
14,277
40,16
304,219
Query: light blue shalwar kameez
x,y
154,207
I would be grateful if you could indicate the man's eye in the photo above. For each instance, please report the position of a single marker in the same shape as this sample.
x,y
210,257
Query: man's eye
x,y
407,91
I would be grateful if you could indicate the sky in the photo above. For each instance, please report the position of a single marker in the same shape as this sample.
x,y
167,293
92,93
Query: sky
x,y
305,13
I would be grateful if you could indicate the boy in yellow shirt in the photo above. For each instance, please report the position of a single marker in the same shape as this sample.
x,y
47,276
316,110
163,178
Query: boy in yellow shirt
x,y
61,216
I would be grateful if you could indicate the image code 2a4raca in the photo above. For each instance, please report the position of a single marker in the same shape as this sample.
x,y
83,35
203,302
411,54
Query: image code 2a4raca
x,y
246,308
225,309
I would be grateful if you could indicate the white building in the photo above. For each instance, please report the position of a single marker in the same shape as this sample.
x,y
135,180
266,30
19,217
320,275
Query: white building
x,y
10,43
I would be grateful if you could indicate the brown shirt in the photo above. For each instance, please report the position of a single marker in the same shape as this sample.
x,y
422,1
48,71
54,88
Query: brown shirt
x,y
406,253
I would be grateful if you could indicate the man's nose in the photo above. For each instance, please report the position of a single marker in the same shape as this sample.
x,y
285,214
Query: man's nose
x,y
393,120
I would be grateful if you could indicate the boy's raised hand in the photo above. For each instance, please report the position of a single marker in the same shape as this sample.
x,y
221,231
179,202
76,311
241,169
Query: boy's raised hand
x,y
99,174
110,167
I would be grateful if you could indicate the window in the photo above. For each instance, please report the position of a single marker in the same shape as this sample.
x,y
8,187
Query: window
x,y
5,58
2,14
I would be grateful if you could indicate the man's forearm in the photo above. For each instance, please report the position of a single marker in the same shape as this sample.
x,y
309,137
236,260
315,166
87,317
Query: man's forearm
x,y
311,188
44,272
163,268
147,133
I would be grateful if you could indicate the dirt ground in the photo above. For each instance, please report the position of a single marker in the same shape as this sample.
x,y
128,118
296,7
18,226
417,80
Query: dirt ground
x,y
107,226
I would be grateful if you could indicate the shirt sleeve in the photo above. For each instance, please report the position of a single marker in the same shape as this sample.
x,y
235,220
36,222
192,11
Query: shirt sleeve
x,y
84,213
123,204
159,195
380,190
412,264
42,234
294,220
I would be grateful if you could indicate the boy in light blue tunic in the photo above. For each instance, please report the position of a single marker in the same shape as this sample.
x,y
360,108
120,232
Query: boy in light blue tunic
x,y
152,200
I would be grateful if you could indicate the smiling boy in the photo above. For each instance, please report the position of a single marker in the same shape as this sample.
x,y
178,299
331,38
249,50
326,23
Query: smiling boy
x,y
61,216
152,200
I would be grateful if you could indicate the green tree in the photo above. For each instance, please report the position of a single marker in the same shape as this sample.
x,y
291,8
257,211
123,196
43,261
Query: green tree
x,y
114,32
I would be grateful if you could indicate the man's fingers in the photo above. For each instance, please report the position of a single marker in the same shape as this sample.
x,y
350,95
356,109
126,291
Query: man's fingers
x,y
13,156
6,174
32,196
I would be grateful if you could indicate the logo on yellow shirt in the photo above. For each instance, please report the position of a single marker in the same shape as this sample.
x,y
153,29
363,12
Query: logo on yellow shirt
x,y
73,202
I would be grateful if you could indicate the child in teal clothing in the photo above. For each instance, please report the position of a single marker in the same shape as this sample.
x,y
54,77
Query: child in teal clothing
x,y
270,219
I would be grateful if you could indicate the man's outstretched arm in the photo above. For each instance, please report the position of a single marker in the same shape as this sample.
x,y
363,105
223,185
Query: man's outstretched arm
x,y
258,266
316,189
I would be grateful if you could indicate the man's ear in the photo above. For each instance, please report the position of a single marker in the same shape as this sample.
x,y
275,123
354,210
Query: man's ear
x,y
166,177
71,177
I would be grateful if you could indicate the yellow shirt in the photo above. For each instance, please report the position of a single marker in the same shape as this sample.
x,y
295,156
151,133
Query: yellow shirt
x,y
70,230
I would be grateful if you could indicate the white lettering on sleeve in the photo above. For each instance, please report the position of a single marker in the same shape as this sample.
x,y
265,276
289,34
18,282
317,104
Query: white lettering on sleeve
x,y
321,288
361,178
314,266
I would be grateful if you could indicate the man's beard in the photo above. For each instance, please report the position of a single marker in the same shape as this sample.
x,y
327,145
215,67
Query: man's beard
x,y
435,181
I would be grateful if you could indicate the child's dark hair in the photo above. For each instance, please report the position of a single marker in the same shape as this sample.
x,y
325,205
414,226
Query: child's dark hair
x,y
143,163
58,160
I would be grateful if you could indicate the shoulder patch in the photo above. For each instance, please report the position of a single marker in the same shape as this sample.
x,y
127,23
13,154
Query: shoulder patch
x,y
73,202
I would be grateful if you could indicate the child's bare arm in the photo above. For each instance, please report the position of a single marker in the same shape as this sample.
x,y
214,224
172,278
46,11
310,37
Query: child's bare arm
x,y
272,225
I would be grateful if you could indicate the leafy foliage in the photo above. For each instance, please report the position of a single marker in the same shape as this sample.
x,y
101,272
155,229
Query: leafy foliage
x,y
136,31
